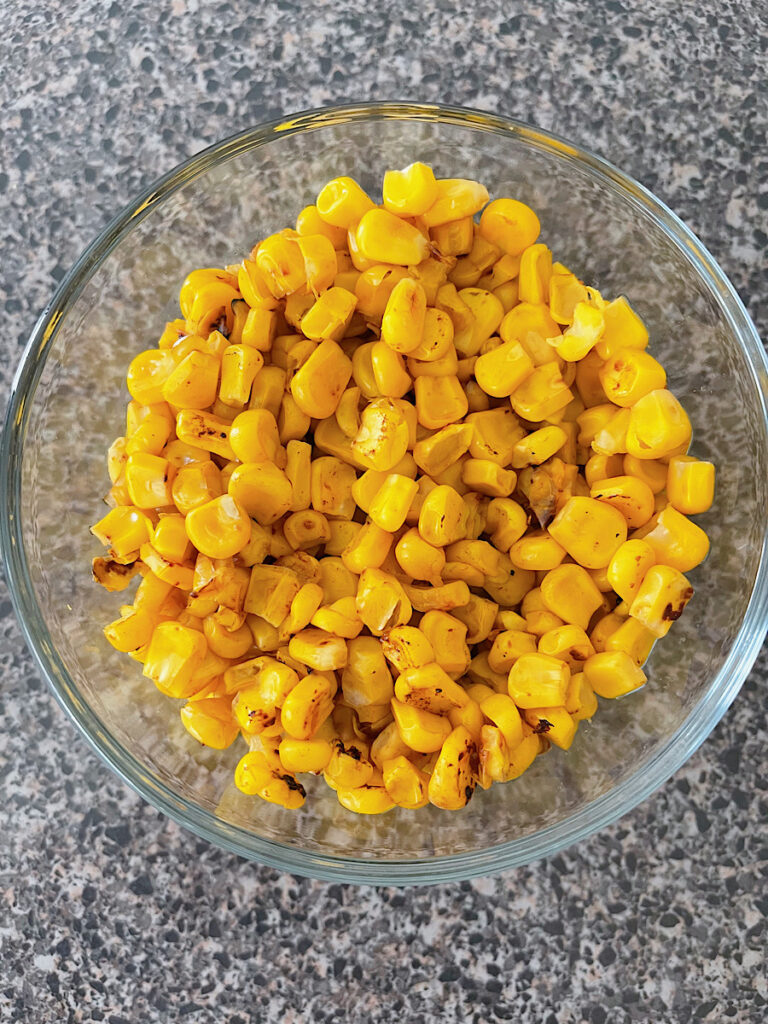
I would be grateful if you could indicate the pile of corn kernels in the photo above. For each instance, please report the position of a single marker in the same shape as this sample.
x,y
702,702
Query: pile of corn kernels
x,y
405,498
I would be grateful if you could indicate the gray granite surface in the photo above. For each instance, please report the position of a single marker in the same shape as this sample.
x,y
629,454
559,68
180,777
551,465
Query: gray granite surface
x,y
108,912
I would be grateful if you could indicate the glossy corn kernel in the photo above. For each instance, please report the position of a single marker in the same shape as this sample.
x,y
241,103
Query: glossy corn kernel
x,y
555,723
149,480
123,529
487,477
420,730
623,329
631,496
658,426
175,652
629,375
329,316
239,366
383,237
613,674
542,394
508,646
367,549
429,688
342,203
391,502
501,371
452,781
384,435
535,273
582,335
148,373
206,431
210,722
569,643
589,530
382,603
281,263
309,222
510,225
256,777
262,490
538,446
537,552
420,559
389,371
254,436
531,318
628,567
220,528
319,383
169,538
307,529
405,783
634,639
456,198
677,541
661,599
538,680
580,701
570,593
403,321
442,519
268,389
690,484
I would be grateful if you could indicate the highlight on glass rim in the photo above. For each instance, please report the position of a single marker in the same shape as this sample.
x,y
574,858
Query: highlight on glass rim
x,y
401,497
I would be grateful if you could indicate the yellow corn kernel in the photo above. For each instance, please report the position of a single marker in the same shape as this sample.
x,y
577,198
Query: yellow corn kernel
x,y
429,688
297,470
407,647
281,263
220,528
442,519
629,375
391,502
452,781
420,730
254,436
529,318
611,437
455,237
439,401
271,591
131,631
239,367
538,446
268,389
384,435
580,701
392,378
309,222
336,580
366,680
538,680
262,490
171,572
569,643
365,799
649,471
340,618
123,529
661,599
570,593
476,613
535,273
583,334
508,646
169,538
112,575
589,530
348,767
448,637
658,426
623,329
555,723
404,782
303,607
418,558
457,198
603,467
592,421
292,423
434,454
117,455
298,756
227,643
331,487
496,432
150,435
320,265
329,316
321,651
409,192
510,225
265,635
194,383
382,603
536,551
478,554
502,711
374,288
542,394
677,541
343,203
383,237
148,373
175,652
631,496
210,722
459,313
613,673
367,549
195,485
565,292
628,567
366,487
307,529
348,412
318,385
493,756
256,777
634,639
149,480
403,321
253,286
481,673
203,430
436,344
502,370
690,484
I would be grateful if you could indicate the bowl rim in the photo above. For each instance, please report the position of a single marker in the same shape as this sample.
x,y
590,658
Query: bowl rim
x,y
451,867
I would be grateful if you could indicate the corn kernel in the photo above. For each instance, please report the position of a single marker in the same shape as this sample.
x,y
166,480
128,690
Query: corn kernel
x,y
175,651
420,730
342,203
456,198
384,435
383,237
542,394
536,551
589,530
367,549
381,601
613,674
448,638
392,378
538,680
677,541
510,224
319,384
452,781
554,723
623,329
429,688
658,426
690,484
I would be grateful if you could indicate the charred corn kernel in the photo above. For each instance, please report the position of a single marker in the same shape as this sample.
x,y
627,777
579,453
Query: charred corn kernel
x,y
589,530
329,316
384,435
148,373
220,528
255,776
583,334
309,222
536,551
677,541
307,529
175,652
434,454
508,646
535,273
629,375
493,756
281,263
203,430
510,224
538,446
580,701
442,519
318,385
570,643
603,467
383,237
367,549
112,575
405,783
268,389
420,730
448,637
392,378
439,401
195,485
339,618
429,688
690,484
452,781
331,487
131,631
501,371
623,329
374,288
502,711
634,639
457,198
418,558
239,366
366,679
169,538
528,318
454,237
478,615
538,681
348,767
382,603
342,203
613,673
555,723
254,436
542,394
570,593
123,529
658,426
262,490
632,497
496,432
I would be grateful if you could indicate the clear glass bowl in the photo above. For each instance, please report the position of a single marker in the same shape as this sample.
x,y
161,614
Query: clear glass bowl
x,y
68,404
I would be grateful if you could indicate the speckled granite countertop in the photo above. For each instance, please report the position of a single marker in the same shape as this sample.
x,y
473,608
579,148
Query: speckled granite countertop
x,y
111,913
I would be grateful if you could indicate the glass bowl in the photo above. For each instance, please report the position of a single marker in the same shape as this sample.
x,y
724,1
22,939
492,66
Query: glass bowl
x,y
67,404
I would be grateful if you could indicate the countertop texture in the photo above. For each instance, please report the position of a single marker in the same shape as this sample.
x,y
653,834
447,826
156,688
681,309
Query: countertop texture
x,y
111,913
